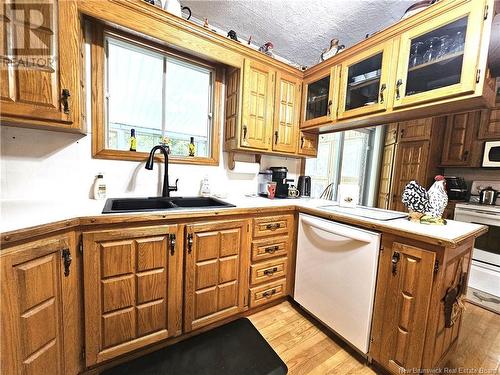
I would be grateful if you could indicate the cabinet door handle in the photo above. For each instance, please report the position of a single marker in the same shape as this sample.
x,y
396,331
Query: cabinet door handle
x,y
330,102
399,82
466,156
245,130
276,135
269,293
190,242
64,100
395,259
302,142
273,226
172,243
67,259
271,249
270,271
382,88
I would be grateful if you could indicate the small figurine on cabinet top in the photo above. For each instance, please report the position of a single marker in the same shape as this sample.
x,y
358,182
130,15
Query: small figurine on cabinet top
x,y
332,50
426,207
232,35
267,48
205,23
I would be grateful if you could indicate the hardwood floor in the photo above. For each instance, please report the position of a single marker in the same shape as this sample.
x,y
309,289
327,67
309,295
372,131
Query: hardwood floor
x,y
307,348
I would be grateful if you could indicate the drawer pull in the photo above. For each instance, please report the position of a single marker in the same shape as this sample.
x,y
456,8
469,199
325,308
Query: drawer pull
x,y
273,226
271,249
270,271
269,293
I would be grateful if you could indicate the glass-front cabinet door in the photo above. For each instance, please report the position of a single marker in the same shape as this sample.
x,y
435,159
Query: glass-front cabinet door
x,y
318,98
364,81
438,58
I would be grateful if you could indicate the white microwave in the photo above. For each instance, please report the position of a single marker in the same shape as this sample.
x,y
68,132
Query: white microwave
x,y
491,155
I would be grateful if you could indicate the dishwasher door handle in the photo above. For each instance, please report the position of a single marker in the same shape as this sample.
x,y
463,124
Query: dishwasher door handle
x,y
341,230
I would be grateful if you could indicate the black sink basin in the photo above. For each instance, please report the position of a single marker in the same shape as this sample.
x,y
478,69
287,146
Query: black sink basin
x,y
114,205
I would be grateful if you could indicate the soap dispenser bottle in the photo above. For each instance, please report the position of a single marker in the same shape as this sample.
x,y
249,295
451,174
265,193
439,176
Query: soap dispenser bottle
x,y
99,187
205,187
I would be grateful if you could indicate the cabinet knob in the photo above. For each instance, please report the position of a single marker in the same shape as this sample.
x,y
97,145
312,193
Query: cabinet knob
x,y
64,100
302,142
276,135
399,82
270,271
245,130
395,260
172,241
67,259
382,89
330,102
465,156
269,293
190,242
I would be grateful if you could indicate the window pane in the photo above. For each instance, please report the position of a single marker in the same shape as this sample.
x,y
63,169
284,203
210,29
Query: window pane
x,y
354,159
135,89
188,106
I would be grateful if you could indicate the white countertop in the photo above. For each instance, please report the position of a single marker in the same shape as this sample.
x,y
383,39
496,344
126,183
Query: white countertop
x,y
22,214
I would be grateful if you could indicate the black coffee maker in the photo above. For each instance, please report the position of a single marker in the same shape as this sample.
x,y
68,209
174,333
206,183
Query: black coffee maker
x,y
279,176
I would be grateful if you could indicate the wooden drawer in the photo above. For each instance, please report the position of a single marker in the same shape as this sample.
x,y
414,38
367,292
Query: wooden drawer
x,y
267,248
267,271
263,294
272,225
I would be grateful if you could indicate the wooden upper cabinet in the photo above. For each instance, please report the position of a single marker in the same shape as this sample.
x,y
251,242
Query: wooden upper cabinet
x,y
41,65
257,105
318,98
33,285
364,81
490,124
286,112
438,58
216,274
458,139
308,144
411,164
402,298
385,181
415,130
132,289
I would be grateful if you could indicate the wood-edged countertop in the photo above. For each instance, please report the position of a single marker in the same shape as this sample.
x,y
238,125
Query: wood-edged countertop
x,y
23,220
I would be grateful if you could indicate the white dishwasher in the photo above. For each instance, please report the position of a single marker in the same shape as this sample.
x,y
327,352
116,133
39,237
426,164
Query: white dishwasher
x,y
336,271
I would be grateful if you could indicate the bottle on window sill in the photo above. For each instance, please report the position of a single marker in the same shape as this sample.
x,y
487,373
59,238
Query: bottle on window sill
x,y
133,140
191,147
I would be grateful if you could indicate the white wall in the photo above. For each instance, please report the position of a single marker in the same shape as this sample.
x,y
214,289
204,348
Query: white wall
x,y
39,164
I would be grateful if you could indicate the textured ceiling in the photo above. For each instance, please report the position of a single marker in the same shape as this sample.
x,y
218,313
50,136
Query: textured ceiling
x,y
301,29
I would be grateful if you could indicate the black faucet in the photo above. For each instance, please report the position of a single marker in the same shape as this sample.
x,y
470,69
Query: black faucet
x,y
149,165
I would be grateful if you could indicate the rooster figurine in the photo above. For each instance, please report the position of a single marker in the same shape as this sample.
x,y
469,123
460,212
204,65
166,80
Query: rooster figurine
x,y
426,207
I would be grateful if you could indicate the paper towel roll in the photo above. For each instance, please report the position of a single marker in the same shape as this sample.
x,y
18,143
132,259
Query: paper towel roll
x,y
245,168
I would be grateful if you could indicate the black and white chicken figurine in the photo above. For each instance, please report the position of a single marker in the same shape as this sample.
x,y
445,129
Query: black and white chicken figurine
x,y
426,207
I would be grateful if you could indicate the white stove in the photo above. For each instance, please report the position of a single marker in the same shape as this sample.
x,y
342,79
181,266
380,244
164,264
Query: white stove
x,y
485,269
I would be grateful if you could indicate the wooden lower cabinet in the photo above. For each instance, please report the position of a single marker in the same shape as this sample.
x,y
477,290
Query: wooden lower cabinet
x,y
40,307
216,271
408,328
132,288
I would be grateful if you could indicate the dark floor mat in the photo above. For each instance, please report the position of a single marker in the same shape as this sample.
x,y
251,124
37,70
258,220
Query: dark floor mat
x,y
236,348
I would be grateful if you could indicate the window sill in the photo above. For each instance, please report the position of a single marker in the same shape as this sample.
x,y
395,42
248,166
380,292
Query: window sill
x,y
142,156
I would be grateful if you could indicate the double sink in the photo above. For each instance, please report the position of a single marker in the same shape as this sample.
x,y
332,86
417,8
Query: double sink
x,y
117,205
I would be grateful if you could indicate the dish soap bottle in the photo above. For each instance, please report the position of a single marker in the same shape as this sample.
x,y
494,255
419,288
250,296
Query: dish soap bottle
x,y
133,140
100,187
191,147
205,187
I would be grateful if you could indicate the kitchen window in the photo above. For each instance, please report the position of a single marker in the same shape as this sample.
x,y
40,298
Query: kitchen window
x,y
144,87
350,157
